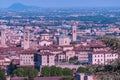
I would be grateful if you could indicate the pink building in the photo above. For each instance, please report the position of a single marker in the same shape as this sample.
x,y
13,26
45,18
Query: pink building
x,y
4,62
45,59
27,58
64,40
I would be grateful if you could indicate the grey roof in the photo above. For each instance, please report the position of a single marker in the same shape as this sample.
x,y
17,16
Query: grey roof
x,y
44,32
63,36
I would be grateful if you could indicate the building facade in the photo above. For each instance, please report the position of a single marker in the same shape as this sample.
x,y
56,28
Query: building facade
x,y
27,58
101,57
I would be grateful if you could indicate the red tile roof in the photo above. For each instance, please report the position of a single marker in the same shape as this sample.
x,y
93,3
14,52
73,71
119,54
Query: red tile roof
x,y
82,48
101,52
97,44
48,78
45,53
29,51
1,58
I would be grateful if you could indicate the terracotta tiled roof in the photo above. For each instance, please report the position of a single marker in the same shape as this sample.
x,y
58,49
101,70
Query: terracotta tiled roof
x,y
55,49
46,40
46,53
48,78
82,48
1,58
97,44
66,46
29,51
101,52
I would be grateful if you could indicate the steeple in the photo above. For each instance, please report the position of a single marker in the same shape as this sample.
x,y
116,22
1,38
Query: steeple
x,y
26,39
74,32
3,38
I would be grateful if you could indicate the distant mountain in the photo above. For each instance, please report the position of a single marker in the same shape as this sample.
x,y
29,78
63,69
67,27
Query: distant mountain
x,y
19,6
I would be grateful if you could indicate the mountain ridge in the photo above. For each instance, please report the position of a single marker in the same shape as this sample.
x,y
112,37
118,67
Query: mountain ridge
x,y
20,6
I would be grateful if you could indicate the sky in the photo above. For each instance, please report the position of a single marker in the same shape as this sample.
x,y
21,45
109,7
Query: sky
x,y
63,3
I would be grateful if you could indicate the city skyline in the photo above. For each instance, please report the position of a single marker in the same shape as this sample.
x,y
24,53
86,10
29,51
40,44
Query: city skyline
x,y
59,40
63,3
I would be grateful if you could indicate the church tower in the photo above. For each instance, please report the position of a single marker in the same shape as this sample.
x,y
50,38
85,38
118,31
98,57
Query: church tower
x,y
74,32
3,38
26,43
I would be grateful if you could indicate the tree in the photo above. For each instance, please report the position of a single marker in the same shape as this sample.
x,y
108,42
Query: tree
x,y
67,72
83,70
11,68
73,60
2,74
19,72
112,42
45,71
32,73
26,72
59,71
53,71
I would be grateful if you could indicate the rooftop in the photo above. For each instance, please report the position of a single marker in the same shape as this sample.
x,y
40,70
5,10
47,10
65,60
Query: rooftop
x,y
63,36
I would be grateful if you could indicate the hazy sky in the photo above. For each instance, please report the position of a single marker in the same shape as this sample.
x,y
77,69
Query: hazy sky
x,y
63,3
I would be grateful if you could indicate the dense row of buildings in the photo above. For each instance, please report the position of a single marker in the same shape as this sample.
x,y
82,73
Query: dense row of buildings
x,y
52,48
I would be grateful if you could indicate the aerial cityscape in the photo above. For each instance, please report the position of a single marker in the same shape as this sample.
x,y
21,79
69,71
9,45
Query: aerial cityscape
x,y
43,40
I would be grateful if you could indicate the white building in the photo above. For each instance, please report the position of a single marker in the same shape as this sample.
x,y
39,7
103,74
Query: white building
x,y
101,57
45,38
45,42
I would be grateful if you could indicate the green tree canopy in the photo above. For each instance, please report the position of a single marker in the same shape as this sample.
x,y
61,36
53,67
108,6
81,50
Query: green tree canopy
x,y
112,42
73,60
11,68
59,71
25,72
53,71
56,71
83,70
2,74
45,71
67,72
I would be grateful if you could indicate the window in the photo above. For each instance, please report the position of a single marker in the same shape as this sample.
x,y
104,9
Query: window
x,y
60,57
95,59
65,41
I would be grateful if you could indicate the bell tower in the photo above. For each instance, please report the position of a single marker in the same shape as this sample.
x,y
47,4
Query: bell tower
x,y
74,32
3,38
26,43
